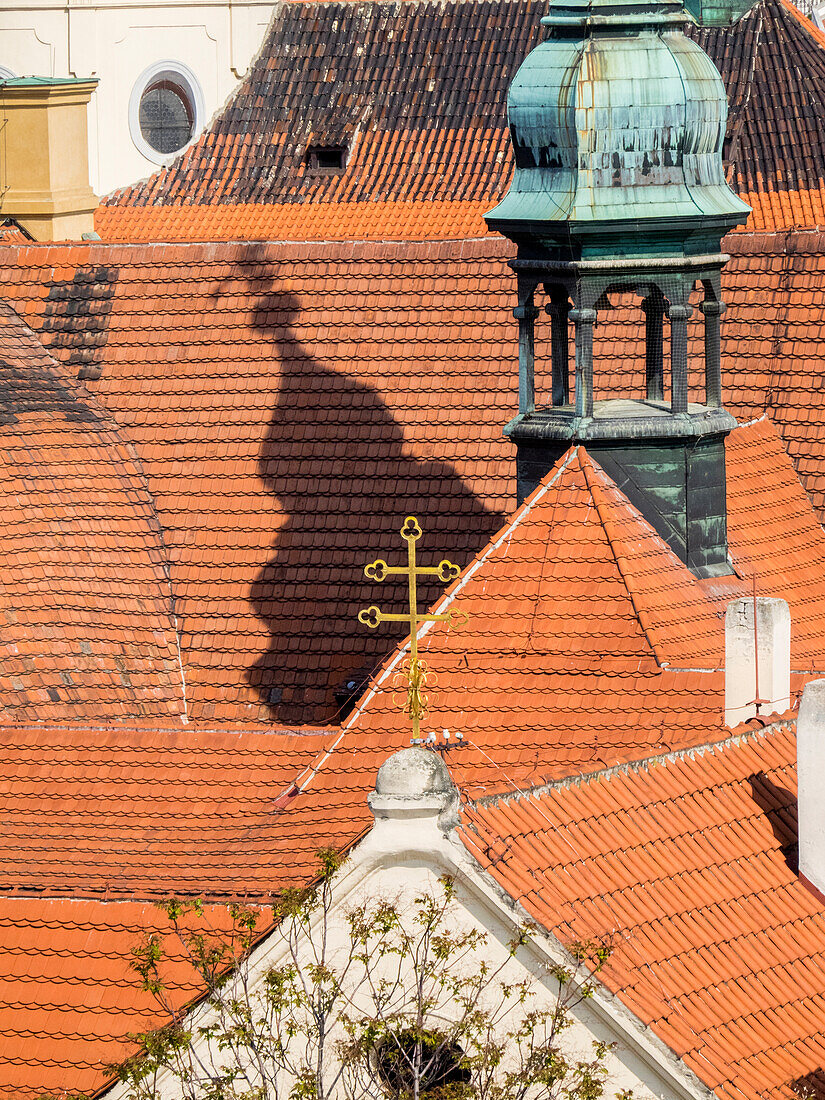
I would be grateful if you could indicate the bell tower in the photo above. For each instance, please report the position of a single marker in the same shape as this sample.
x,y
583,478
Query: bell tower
x,y
617,122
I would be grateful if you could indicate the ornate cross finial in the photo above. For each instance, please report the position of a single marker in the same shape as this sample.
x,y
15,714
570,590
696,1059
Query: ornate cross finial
x,y
414,671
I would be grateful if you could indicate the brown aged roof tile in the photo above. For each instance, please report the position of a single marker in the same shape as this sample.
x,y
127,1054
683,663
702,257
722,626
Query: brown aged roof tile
x,y
86,608
290,402
422,109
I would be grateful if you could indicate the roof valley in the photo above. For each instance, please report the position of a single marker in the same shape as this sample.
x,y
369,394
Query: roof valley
x,y
601,506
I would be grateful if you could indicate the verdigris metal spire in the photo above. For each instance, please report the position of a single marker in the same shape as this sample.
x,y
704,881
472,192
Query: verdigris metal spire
x,y
617,122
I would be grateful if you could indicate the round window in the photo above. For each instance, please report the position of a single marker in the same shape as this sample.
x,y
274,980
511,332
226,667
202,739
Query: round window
x,y
166,110
166,116
443,1074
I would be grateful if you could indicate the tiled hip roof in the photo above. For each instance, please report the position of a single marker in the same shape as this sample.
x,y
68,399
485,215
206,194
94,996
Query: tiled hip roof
x,y
589,642
688,864
416,93
85,604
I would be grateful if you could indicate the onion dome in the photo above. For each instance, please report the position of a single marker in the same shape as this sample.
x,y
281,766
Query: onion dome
x,y
617,122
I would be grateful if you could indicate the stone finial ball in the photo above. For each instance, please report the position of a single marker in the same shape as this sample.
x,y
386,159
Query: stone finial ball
x,y
413,773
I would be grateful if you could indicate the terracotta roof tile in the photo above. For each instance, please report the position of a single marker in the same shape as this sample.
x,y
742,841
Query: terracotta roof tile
x,y
236,368
88,630
503,682
68,997
11,233
687,861
150,813
421,109
323,221
290,403
531,708
569,632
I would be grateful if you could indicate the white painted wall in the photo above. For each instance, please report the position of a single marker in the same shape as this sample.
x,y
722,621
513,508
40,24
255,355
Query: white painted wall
x,y
116,41
810,752
757,658
411,845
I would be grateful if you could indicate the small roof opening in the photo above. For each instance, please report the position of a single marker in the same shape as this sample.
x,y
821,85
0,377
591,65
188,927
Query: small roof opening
x,y
325,158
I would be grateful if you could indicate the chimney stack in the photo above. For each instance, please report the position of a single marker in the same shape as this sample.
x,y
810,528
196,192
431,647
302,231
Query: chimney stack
x,y
44,158
757,658
810,764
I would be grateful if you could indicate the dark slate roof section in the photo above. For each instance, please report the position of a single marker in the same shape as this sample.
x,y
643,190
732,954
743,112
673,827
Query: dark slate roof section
x,y
405,86
773,66
416,91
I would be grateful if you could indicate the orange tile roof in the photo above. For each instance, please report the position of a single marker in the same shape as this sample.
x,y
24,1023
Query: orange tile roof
x,y
766,498
420,108
372,220
688,861
426,130
88,630
11,233
126,813
583,623
290,403
224,812
770,210
68,996
696,884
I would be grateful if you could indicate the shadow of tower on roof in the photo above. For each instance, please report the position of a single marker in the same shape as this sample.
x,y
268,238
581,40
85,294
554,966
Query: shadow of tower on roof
x,y
345,474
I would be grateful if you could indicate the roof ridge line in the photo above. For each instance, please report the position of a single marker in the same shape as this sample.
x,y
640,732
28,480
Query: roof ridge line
x,y
806,25
308,774
632,766
523,510
588,469
506,532
755,420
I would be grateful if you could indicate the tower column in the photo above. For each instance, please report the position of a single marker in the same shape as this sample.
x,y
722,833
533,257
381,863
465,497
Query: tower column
x,y
678,315
653,307
525,313
558,308
601,224
584,319
713,311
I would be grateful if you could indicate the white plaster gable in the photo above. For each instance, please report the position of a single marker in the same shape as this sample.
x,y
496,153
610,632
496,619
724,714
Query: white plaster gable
x,y
118,41
412,844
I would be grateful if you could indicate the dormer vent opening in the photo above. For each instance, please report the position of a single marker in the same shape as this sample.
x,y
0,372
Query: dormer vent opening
x,y
326,159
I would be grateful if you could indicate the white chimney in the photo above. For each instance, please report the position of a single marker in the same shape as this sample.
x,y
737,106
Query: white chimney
x,y
757,658
810,766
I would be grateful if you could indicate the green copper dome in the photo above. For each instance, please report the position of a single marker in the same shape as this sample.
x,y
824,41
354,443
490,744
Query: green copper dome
x,y
617,123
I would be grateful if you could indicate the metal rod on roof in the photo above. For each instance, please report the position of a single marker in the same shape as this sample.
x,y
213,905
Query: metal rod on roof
x,y
757,701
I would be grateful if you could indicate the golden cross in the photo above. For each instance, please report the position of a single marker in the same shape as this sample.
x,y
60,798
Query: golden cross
x,y
415,670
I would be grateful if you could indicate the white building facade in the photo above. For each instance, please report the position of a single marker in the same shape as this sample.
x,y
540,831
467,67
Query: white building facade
x,y
163,69
412,846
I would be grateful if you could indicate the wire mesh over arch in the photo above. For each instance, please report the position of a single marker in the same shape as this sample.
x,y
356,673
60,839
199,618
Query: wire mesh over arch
x,y
560,307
